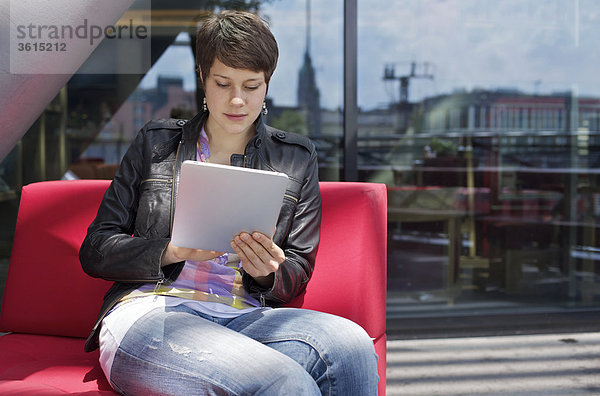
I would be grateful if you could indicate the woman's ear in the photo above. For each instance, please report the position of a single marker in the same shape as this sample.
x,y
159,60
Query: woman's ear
x,y
199,70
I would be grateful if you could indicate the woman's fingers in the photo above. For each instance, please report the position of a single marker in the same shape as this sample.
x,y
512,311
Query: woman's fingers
x,y
260,256
182,254
274,252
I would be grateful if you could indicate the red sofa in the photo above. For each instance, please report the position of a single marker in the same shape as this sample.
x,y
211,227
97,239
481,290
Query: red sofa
x,y
50,304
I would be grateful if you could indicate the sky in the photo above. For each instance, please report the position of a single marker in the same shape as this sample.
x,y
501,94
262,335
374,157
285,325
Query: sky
x,y
541,46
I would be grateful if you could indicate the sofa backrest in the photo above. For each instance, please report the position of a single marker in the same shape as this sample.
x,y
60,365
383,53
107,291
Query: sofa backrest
x,y
47,292
350,276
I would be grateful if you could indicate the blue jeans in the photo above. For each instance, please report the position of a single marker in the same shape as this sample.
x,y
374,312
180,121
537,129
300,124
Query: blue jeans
x,y
282,351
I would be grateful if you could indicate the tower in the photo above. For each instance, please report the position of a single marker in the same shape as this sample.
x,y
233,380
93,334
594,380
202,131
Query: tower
x,y
308,93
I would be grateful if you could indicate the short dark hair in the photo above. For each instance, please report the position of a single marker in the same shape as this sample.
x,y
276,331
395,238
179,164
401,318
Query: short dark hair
x,y
239,39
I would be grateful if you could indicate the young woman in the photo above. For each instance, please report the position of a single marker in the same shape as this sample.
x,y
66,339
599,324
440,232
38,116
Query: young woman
x,y
181,321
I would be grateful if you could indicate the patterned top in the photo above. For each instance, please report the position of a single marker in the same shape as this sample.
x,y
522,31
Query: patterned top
x,y
216,284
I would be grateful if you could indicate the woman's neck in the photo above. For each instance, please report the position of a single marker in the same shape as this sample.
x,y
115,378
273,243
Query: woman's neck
x,y
222,144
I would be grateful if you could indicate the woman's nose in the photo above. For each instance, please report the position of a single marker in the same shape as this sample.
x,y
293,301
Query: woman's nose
x,y
236,98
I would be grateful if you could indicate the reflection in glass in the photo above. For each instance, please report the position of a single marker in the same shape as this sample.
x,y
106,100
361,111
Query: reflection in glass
x,y
485,129
168,90
306,89
304,94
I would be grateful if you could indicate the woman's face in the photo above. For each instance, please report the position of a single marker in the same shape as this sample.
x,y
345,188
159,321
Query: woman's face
x,y
234,98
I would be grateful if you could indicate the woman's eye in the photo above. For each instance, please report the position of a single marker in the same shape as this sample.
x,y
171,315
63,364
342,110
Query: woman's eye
x,y
222,85
252,88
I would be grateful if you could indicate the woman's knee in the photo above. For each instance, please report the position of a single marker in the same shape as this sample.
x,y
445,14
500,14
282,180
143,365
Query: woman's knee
x,y
342,334
329,335
346,361
353,342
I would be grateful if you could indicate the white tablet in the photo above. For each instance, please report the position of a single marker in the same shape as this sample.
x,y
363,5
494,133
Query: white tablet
x,y
216,202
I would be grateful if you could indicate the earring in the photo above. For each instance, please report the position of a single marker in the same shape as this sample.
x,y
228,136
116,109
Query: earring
x,y
265,111
204,106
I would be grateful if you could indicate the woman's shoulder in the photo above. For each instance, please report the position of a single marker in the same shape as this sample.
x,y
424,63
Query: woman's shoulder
x,y
164,123
290,138
159,132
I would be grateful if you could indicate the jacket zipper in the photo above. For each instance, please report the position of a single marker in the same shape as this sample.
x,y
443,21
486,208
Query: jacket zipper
x,y
291,197
156,180
262,300
157,287
173,187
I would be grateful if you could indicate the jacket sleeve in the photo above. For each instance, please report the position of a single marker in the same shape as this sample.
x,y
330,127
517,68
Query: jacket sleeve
x,y
300,245
109,250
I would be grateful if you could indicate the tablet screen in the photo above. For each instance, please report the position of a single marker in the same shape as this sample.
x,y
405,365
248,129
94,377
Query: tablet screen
x,y
216,202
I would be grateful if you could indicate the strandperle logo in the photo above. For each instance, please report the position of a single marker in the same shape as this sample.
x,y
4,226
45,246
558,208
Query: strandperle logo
x,y
80,36
86,31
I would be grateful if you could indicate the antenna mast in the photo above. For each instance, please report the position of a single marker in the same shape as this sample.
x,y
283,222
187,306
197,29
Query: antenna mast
x,y
417,70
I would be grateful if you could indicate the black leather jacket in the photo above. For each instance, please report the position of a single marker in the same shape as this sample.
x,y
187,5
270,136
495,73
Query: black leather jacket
x,y
126,240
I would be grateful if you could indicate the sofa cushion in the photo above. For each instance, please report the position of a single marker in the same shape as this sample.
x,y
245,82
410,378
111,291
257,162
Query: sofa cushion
x,y
48,365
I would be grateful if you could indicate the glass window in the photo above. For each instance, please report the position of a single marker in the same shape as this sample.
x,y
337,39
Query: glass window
x,y
87,128
482,119
167,90
305,92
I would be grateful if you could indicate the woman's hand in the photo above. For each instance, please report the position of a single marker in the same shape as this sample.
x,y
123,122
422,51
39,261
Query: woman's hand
x,y
175,254
260,256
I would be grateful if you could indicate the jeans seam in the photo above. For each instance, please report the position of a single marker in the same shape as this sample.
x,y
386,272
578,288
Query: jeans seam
x,y
204,378
116,387
314,345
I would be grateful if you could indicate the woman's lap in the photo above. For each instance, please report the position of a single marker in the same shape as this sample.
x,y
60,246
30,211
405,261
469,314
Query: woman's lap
x,y
275,351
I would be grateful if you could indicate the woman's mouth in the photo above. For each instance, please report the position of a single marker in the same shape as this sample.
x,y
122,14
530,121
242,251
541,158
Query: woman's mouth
x,y
235,117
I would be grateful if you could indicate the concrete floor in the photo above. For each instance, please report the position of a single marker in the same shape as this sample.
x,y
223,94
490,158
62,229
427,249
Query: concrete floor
x,y
541,365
